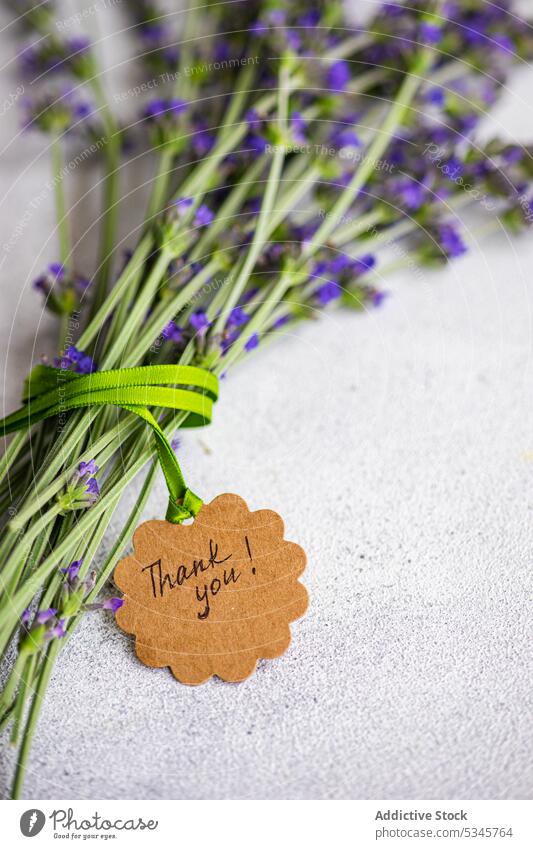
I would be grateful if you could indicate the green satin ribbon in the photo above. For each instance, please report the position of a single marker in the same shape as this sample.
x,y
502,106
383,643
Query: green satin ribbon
x,y
50,391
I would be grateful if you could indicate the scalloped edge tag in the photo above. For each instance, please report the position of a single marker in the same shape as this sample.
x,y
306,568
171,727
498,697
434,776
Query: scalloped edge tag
x,y
214,596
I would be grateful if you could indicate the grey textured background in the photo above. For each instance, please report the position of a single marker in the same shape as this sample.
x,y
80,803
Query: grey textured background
x,y
398,447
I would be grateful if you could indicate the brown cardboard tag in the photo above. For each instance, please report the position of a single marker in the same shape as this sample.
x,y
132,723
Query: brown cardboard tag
x,y
214,596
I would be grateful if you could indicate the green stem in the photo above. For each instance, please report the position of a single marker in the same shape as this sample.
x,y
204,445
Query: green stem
x,y
110,206
259,237
159,189
33,716
26,678
376,149
13,682
63,225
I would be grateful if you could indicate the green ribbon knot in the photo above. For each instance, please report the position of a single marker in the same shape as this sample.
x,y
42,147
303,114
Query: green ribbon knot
x,y
51,391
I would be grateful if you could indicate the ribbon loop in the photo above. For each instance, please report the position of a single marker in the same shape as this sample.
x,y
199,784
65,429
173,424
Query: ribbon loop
x,y
49,391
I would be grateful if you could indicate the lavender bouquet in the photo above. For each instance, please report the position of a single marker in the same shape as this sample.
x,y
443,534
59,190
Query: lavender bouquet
x,y
294,153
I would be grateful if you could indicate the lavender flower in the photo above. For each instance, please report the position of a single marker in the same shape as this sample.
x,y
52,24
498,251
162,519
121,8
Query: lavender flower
x,y
338,75
451,241
75,360
203,216
159,109
82,490
43,616
72,571
54,55
113,604
237,317
57,631
47,625
173,333
199,321
57,112
327,293
430,32
252,342
63,289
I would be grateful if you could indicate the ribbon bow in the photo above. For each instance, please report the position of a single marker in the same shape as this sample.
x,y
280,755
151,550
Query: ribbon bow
x,y
49,391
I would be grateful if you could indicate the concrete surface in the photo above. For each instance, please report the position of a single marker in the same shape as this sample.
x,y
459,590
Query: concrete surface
x,y
398,447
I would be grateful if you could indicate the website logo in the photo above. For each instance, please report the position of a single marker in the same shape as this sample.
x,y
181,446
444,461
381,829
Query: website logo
x,y
32,822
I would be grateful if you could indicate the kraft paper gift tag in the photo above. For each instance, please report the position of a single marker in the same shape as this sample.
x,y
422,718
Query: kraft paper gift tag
x,y
214,596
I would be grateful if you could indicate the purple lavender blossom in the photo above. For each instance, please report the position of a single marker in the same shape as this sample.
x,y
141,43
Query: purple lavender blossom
x,y
345,137
53,55
281,321
451,241
298,126
72,571
75,360
237,317
328,292
252,342
113,604
44,616
173,333
338,75
82,490
378,297
199,321
58,112
363,263
203,216
57,631
430,32
436,96
161,108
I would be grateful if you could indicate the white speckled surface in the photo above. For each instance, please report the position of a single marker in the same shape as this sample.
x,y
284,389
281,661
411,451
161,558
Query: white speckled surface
x,y
398,446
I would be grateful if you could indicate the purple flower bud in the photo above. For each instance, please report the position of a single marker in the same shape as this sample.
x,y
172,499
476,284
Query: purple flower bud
x,y
328,292
199,321
173,333
237,317
252,342
113,604
451,241
430,33
203,216
183,205
298,127
338,75
72,571
89,468
57,631
44,616
281,321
